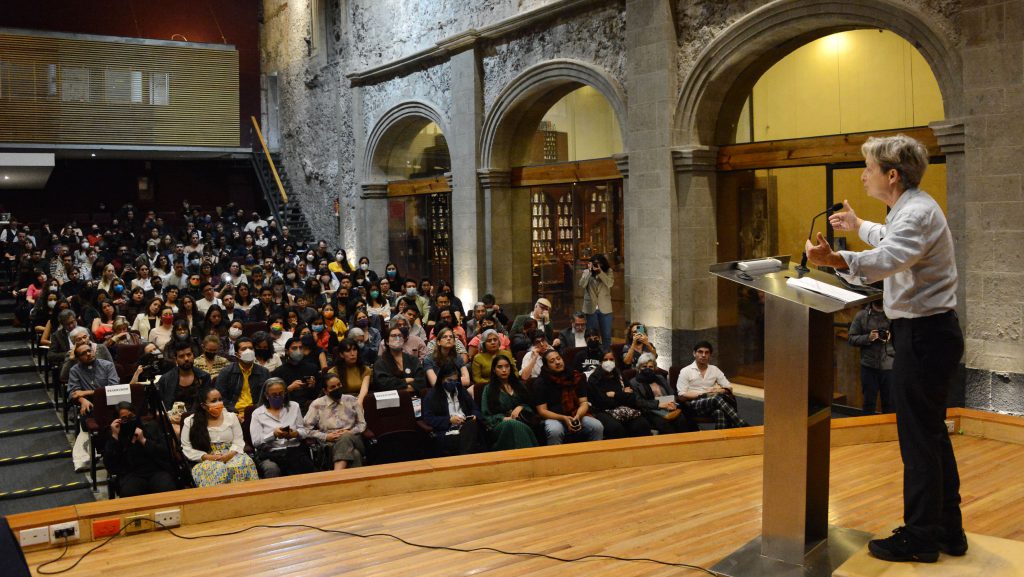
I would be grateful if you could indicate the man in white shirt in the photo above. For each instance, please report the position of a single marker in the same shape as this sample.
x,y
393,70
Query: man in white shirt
x,y
209,299
706,391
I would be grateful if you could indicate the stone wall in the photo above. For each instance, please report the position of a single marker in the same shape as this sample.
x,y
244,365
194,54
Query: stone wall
x,y
650,47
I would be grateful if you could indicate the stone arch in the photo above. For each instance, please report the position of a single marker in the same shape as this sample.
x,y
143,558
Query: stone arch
x,y
726,70
407,115
522,104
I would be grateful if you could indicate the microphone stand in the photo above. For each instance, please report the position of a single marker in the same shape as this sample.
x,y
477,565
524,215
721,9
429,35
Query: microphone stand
x,y
802,268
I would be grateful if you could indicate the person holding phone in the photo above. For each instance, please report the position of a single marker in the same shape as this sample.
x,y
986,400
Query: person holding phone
x,y
870,332
301,374
597,282
451,413
277,430
637,343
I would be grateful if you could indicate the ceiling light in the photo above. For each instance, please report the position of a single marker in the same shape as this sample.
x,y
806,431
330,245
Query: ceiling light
x,y
6,177
93,154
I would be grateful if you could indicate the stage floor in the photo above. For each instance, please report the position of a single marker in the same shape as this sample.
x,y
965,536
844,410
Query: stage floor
x,y
696,512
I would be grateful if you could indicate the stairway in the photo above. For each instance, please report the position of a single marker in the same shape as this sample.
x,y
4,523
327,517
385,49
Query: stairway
x,y
36,471
290,213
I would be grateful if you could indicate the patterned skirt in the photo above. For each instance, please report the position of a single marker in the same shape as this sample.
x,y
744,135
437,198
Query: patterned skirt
x,y
210,473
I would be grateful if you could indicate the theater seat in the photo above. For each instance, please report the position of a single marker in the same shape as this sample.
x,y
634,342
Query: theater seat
x,y
393,434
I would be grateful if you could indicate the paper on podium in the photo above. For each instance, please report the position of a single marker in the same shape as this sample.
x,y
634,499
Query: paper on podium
x,y
759,265
834,292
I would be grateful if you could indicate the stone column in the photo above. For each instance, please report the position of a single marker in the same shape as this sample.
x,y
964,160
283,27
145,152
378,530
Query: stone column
x,y
375,218
508,259
649,202
695,293
468,245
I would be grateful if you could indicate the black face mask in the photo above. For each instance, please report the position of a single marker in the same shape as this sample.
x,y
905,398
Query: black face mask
x,y
335,395
646,375
594,345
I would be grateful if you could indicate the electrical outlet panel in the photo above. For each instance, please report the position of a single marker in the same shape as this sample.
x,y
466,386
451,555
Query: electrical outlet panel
x,y
105,527
34,536
950,426
137,523
168,518
61,531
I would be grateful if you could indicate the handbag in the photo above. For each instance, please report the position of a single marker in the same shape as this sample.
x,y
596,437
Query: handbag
x,y
623,413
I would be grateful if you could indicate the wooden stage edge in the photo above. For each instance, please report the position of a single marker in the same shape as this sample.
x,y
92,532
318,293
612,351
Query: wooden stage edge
x,y
252,498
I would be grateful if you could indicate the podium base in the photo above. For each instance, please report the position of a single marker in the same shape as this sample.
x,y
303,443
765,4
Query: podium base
x,y
820,561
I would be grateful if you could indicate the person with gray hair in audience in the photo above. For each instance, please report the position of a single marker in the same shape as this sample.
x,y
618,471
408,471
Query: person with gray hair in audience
x,y
78,336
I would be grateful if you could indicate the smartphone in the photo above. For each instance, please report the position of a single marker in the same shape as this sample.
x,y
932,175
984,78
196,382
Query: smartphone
x,y
641,330
286,428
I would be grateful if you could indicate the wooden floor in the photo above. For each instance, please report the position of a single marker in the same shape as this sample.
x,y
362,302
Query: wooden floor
x,y
695,512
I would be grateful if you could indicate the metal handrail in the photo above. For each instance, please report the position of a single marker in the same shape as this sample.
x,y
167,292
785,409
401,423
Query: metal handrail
x,y
270,161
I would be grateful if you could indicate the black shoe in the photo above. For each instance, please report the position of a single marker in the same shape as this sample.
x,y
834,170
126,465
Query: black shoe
x,y
954,542
902,546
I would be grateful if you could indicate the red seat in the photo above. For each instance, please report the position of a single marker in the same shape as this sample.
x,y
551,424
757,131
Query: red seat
x,y
393,434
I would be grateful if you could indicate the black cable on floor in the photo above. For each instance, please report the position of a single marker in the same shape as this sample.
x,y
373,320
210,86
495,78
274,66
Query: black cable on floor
x,y
594,557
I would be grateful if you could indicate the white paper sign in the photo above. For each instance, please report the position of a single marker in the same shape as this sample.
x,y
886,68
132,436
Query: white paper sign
x,y
387,399
118,393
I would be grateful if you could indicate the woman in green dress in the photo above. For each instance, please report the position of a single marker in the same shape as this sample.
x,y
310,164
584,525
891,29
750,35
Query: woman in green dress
x,y
507,409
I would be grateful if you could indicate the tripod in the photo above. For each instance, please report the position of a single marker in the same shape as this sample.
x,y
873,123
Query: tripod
x,y
182,471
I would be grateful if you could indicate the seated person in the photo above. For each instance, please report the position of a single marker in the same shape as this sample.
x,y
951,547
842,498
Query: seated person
x,y
183,383
704,388
449,410
541,314
483,361
637,343
84,378
655,400
473,347
574,336
122,335
337,420
211,438
211,361
613,403
241,383
277,431
397,370
414,345
507,411
590,358
521,341
445,350
79,336
353,373
300,373
137,453
533,360
561,395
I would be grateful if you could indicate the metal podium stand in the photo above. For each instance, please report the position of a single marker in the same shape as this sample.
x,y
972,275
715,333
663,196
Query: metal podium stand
x,y
796,539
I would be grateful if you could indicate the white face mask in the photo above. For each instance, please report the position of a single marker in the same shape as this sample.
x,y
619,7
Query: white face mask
x,y
364,266
608,366
234,332
247,356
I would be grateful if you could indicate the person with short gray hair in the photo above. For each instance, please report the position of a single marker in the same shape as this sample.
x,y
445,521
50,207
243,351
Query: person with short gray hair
x,y
913,255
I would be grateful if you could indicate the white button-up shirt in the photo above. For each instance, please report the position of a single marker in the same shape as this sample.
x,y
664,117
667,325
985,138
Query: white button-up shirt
x,y
690,379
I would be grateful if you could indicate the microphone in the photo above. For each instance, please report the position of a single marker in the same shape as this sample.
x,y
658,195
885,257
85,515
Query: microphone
x,y
803,260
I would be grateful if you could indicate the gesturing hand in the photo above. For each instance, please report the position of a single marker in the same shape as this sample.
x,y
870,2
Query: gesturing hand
x,y
821,254
846,220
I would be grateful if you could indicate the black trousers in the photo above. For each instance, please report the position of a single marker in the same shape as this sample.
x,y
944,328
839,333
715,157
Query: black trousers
x,y
283,462
132,484
615,429
928,351
875,382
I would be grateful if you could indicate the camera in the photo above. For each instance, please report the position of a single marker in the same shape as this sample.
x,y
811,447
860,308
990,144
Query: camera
x,y
883,335
153,366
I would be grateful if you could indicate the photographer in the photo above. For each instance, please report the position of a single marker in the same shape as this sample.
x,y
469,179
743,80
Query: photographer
x,y
870,332
597,282
137,454
639,343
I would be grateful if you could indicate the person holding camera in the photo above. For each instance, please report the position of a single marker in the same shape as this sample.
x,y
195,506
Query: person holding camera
x,y
870,332
638,343
137,454
597,282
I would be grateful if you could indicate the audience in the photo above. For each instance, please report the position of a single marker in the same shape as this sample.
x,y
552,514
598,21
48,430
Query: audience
x,y
561,397
507,411
613,403
706,391
212,439
277,431
451,414
136,452
336,419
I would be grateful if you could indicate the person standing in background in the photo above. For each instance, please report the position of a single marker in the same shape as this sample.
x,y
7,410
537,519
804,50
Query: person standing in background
x,y
870,332
597,282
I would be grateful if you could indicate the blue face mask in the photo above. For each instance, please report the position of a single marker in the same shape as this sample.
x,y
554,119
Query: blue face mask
x,y
452,385
276,401
317,328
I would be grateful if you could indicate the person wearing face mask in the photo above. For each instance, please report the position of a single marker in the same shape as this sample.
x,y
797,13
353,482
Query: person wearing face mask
x,y
340,265
184,381
300,373
235,332
654,397
241,383
377,304
161,334
137,456
325,339
542,314
265,355
395,369
336,419
453,417
508,414
614,403
589,358
280,334
210,360
414,345
277,430
421,302
212,439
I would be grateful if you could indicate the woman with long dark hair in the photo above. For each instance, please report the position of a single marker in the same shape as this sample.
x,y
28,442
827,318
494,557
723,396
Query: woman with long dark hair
x,y
103,325
212,439
214,322
508,413
354,374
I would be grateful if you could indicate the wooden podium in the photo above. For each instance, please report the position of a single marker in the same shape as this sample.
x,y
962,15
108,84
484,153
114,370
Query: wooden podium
x,y
796,539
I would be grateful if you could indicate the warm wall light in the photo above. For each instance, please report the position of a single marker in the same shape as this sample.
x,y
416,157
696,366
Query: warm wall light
x,y
836,43
6,177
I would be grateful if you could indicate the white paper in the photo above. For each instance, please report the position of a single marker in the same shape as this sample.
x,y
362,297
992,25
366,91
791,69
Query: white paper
x,y
834,292
118,393
387,399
